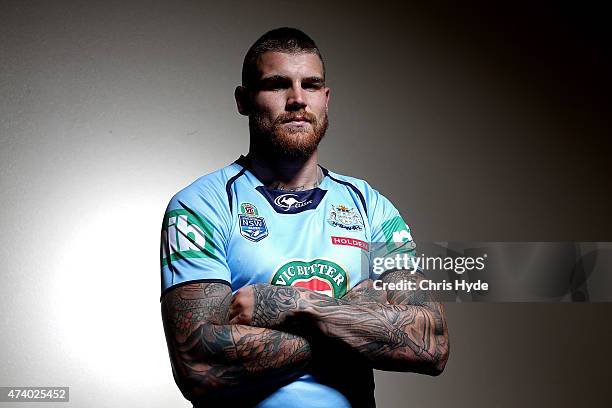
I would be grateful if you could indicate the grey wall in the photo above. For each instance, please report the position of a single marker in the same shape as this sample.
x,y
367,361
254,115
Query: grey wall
x,y
479,122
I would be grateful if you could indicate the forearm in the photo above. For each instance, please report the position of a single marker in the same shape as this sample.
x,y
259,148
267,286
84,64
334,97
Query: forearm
x,y
209,355
408,334
391,337
217,357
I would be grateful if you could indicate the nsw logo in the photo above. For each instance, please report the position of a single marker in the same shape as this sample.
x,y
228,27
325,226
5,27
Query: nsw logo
x,y
252,227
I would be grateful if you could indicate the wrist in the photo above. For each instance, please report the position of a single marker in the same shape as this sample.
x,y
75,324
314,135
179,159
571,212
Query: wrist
x,y
276,306
304,309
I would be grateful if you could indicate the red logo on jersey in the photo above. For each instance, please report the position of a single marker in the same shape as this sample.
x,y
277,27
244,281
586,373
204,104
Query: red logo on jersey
x,y
350,242
315,284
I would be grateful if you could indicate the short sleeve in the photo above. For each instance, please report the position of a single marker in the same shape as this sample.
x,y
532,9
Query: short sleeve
x,y
390,234
193,242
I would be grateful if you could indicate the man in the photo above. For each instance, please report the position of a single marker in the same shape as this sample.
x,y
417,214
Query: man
x,y
287,237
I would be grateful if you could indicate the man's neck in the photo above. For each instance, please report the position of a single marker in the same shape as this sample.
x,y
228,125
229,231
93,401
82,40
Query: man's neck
x,y
286,174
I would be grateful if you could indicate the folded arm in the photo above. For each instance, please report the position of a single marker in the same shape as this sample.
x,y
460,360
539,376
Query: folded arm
x,y
210,356
397,330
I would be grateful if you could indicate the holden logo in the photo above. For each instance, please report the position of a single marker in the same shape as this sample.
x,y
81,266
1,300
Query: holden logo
x,y
288,201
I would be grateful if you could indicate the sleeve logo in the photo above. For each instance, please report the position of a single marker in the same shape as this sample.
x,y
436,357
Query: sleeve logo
x,y
397,234
185,235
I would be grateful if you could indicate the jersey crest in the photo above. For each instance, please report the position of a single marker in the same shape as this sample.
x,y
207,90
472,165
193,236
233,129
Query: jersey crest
x,y
343,217
252,227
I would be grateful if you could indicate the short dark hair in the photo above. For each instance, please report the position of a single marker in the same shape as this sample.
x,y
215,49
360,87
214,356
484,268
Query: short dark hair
x,y
284,39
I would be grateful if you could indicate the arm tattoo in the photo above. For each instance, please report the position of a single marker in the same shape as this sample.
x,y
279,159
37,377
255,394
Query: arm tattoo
x,y
406,331
419,302
271,308
209,355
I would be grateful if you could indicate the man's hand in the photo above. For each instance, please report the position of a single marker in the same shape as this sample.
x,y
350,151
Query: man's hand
x,y
242,305
264,305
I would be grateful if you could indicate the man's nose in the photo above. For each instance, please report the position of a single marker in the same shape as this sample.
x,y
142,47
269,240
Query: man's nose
x,y
295,98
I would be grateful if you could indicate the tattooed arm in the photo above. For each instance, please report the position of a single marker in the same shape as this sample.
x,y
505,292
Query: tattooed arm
x,y
209,356
407,332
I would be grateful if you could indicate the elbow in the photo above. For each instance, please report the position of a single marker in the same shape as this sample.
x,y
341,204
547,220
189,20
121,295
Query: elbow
x,y
188,388
194,391
195,386
437,362
427,363
188,391
433,366
437,367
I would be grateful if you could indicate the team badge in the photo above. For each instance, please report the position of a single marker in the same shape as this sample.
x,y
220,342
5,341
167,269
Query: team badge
x,y
252,227
319,275
343,217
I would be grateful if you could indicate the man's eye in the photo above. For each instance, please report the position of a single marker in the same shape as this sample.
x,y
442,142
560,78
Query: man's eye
x,y
311,87
273,86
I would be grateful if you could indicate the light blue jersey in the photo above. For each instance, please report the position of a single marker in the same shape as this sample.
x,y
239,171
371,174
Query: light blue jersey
x,y
227,227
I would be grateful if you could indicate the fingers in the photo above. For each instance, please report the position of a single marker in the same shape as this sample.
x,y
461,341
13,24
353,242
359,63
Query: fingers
x,y
233,309
233,312
237,317
241,318
241,306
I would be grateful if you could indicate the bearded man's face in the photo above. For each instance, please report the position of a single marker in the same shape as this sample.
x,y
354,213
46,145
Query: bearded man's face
x,y
289,115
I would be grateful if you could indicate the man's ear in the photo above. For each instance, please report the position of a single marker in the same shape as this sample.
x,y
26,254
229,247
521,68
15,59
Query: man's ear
x,y
243,102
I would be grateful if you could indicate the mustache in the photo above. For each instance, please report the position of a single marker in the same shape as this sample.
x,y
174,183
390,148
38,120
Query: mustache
x,y
288,117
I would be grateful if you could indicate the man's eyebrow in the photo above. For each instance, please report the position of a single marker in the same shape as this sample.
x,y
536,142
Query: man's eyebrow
x,y
274,78
311,79
314,80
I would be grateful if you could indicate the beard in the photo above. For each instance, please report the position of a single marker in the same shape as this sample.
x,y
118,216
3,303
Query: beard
x,y
276,139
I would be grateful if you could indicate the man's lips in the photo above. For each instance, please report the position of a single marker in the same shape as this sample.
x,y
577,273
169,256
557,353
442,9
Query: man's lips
x,y
297,119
